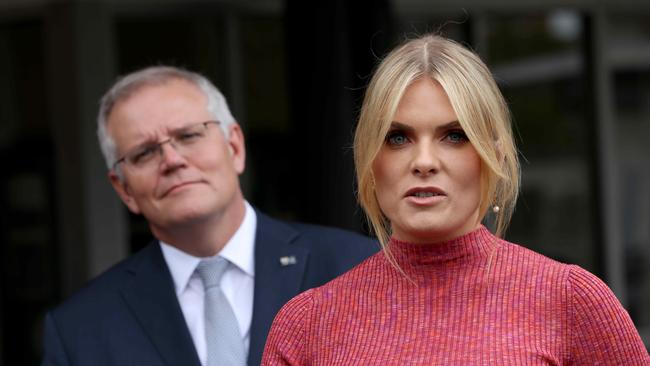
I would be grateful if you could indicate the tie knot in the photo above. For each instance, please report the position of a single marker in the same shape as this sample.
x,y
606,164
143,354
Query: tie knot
x,y
211,270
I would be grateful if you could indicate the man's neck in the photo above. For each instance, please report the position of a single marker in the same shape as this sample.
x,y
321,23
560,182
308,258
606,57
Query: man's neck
x,y
204,237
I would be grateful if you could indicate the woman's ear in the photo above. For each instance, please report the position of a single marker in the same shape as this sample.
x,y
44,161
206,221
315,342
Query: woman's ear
x,y
498,150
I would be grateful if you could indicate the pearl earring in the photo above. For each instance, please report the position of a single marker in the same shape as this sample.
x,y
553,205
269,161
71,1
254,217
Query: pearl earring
x,y
496,209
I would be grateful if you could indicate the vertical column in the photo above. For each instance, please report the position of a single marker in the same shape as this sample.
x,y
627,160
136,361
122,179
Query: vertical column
x,y
6,114
235,82
607,157
91,221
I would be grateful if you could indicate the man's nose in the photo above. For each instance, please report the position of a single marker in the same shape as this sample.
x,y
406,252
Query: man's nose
x,y
170,157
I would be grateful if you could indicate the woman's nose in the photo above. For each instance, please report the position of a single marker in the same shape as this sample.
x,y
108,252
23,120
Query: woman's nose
x,y
425,159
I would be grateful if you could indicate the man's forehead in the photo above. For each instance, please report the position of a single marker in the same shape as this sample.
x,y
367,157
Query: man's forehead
x,y
168,86
161,98
157,109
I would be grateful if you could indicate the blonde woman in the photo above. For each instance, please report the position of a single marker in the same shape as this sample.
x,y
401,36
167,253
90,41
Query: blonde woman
x,y
434,153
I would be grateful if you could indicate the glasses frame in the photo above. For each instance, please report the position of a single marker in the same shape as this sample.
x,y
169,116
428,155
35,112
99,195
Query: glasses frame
x,y
158,145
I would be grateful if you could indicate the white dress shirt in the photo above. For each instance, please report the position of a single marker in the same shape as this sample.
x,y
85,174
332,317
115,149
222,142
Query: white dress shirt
x,y
237,282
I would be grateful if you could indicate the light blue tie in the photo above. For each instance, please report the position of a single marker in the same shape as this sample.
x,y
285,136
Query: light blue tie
x,y
224,342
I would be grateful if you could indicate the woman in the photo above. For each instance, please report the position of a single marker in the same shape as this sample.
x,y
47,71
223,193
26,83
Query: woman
x,y
434,153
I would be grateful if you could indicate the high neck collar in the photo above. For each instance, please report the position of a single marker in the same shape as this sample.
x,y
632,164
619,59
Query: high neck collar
x,y
468,249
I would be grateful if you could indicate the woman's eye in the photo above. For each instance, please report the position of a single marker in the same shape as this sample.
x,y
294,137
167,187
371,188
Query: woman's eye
x,y
456,136
396,139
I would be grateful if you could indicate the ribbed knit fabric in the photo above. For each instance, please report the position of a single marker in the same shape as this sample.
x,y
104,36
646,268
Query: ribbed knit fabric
x,y
475,300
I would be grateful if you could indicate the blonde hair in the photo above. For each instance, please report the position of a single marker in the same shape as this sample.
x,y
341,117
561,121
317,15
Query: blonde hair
x,y
481,111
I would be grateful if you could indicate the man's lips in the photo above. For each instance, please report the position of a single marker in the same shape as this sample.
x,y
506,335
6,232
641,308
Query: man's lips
x,y
178,186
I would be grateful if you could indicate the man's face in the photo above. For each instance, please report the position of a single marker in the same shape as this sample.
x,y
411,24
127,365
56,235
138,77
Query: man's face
x,y
197,185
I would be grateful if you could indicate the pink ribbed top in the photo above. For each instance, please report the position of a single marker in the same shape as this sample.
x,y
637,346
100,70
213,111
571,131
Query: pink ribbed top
x,y
475,300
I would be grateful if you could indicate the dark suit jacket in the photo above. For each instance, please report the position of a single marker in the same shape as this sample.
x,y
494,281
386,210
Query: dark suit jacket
x,y
130,314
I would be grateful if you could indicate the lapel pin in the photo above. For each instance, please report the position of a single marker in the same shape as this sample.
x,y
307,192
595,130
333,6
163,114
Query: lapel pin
x,y
287,260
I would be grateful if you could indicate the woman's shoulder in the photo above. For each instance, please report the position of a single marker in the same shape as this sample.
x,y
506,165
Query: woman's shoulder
x,y
548,275
290,332
531,262
519,258
590,295
359,276
579,284
601,328
352,280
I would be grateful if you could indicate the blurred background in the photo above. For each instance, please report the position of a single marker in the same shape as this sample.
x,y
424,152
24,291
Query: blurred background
x,y
576,75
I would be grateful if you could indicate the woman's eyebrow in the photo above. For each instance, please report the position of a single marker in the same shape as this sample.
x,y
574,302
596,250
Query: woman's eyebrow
x,y
450,125
395,125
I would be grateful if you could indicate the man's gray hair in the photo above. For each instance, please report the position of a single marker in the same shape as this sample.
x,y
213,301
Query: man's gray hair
x,y
129,84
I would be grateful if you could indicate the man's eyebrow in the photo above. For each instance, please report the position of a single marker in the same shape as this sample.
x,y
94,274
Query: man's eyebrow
x,y
153,139
145,142
181,128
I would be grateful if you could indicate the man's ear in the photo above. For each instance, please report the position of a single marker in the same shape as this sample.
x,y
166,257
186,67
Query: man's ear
x,y
122,189
237,147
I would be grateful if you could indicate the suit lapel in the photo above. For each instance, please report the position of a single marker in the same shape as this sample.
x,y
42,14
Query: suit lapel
x,y
279,270
151,296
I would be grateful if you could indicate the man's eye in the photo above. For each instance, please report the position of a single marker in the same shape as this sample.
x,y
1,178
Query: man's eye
x,y
143,155
188,136
396,139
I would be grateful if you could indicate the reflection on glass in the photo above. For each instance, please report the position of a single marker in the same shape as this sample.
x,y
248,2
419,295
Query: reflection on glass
x,y
537,60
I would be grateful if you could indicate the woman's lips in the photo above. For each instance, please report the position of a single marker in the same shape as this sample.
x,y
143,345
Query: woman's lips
x,y
425,196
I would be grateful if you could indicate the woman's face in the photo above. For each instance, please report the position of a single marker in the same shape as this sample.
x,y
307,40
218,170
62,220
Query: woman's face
x,y
427,173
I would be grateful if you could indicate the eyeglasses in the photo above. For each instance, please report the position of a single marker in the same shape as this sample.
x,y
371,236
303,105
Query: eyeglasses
x,y
184,141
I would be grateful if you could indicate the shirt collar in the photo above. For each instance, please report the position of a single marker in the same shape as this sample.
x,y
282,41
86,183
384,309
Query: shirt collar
x,y
239,251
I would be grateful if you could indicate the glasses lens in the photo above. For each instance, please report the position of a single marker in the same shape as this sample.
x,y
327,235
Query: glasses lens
x,y
143,155
190,135
182,141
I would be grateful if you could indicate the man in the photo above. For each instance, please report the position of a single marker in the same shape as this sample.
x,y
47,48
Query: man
x,y
175,154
